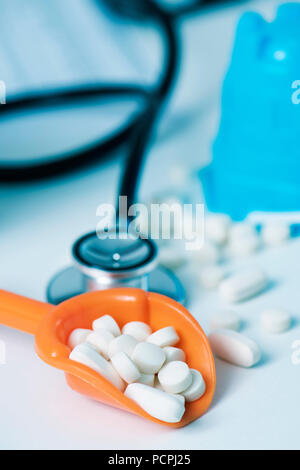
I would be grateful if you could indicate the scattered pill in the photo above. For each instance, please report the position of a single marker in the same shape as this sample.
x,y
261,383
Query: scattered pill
x,y
164,337
241,230
175,377
197,387
207,254
146,379
125,367
78,336
244,246
138,330
216,228
243,285
211,276
107,323
172,255
156,403
148,357
85,354
101,340
234,347
122,343
174,354
275,233
275,321
225,319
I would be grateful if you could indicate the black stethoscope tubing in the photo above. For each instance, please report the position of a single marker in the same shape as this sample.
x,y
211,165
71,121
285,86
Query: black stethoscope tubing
x,y
137,131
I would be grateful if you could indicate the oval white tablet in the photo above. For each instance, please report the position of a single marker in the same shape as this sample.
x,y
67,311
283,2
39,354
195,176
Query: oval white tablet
x,y
175,377
207,254
179,397
172,255
225,319
234,347
216,228
275,321
244,246
148,357
211,276
164,337
122,343
146,379
101,340
241,230
78,336
197,387
125,367
157,383
107,323
275,233
85,354
243,285
138,329
156,403
174,354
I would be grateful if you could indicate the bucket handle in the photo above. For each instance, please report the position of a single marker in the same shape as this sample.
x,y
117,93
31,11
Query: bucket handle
x,y
21,313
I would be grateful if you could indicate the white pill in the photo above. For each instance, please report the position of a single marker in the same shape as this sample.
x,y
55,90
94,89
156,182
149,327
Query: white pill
x,y
107,323
234,347
243,285
125,367
179,397
156,403
216,228
101,340
85,354
207,254
197,387
164,337
157,383
244,246
275,321
123,343
148,357
78,336
174,354
138,330
241,230
275,233
211,276
225,319
146,379
172,255
175,377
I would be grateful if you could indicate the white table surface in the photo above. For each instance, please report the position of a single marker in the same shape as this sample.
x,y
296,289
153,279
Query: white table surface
x,y
257,408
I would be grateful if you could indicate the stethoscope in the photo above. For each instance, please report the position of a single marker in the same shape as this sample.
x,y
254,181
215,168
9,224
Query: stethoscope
x,y
104,263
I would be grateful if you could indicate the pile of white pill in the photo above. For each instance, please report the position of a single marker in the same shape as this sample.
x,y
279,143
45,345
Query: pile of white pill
x,y
147,366
223,240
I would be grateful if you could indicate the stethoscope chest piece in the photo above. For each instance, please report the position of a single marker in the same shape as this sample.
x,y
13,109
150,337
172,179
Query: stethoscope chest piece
x,y
107,260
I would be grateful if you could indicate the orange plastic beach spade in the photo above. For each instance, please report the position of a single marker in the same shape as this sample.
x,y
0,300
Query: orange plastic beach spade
x,y
52,325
